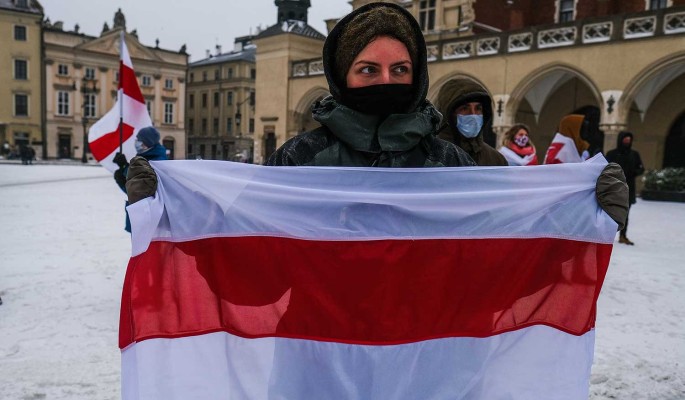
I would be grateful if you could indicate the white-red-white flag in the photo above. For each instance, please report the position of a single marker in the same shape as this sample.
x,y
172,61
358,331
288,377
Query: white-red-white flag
x,y
129,111
562,150
253,282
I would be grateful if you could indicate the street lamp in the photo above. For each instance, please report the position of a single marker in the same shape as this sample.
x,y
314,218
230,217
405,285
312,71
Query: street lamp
x,y
86,90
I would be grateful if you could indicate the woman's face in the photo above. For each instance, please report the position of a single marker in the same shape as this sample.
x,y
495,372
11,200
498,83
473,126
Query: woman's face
x,y
383,61
520,133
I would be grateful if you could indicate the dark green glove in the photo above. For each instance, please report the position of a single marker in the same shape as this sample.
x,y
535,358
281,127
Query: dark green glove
x,y
141,181
120,160
120,178
612,193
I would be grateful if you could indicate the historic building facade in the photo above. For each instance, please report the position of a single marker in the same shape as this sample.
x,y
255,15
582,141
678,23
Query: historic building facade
x,y
81,74
620,61
220,104
20,75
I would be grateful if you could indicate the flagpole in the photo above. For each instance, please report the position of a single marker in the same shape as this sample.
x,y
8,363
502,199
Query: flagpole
x,y
121,100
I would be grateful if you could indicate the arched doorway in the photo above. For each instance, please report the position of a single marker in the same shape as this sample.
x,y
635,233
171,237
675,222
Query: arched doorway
x,y
303,121
549,94
674,149
652,101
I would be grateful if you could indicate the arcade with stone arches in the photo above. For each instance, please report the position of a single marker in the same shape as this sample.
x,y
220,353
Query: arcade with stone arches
x,y
623,80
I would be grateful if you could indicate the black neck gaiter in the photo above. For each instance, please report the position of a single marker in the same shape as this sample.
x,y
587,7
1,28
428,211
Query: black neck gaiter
x,y
380,100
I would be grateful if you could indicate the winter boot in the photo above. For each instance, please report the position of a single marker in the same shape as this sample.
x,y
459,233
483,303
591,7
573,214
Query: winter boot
x,y
623,239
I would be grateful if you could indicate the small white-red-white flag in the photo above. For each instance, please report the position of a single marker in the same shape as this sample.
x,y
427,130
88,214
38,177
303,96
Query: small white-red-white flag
x,y
562,150
123,121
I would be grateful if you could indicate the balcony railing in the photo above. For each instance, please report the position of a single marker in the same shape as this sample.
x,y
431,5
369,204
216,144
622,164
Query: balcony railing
x,y
616,28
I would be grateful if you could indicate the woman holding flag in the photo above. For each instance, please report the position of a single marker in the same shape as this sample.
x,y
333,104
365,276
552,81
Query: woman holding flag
x,y
377,116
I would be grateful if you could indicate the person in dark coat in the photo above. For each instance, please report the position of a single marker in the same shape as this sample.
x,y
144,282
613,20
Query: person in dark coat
x,y
377,115
147,146
631,163
467,108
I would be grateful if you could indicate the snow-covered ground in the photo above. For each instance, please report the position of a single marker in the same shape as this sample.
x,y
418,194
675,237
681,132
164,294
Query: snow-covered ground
x,y
63,255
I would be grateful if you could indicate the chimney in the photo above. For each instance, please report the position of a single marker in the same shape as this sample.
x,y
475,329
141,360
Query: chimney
x,y
218,49
208,53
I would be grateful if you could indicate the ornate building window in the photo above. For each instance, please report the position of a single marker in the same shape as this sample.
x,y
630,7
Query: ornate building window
x,y
204,100
21,70
63,103
89,105
427,15
658,4
89,73
229,99
168,113
148,105
229,125
21,105
146,80
191,125
168,83
204,126
20,33
215,126
566,10
62,70
216,99
191,101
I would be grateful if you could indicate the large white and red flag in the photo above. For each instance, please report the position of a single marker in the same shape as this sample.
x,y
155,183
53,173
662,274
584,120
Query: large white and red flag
x,y
252,282
123,121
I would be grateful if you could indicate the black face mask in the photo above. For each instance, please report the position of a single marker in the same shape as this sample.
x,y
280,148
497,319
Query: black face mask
x,y
380,100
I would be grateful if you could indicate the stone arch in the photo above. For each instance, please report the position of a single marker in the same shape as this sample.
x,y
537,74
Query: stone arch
x,y
302,120
643,89
651,105
547,94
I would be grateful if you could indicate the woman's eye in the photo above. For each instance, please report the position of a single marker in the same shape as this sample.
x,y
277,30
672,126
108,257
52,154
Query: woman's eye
x,y
367,70
402,69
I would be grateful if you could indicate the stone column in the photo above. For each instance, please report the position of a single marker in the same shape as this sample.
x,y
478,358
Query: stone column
x,y
612,122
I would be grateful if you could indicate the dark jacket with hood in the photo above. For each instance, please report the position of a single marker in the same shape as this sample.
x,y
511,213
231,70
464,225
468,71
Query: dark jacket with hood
x,y
629,160
348,137
456,93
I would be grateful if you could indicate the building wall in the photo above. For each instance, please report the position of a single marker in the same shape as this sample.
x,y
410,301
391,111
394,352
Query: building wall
x,y
228,141
274,64
11,125
78,52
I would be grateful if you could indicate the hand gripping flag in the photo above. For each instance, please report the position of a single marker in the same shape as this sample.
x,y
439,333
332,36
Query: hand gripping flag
x,y
252,282
122,122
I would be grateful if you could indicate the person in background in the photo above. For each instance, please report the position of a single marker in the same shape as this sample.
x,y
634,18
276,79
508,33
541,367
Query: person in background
x,y
568,146
147,146
517,148
467,107
631,163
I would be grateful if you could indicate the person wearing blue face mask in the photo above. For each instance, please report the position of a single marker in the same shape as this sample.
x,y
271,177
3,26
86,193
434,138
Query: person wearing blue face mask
x,y
147,146
467,108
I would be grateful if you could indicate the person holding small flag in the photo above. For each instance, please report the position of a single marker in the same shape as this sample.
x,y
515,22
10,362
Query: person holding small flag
x,y
147,146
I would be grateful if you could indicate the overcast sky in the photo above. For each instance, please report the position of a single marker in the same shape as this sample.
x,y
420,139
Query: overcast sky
x,y
200,24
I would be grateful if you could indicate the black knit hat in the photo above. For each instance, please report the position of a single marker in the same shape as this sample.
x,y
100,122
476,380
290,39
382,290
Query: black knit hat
x,y
363,29
149,136
357,29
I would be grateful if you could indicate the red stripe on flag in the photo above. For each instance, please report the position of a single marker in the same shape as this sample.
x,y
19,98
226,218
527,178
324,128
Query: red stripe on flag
x,y
128,81
108,143
364,292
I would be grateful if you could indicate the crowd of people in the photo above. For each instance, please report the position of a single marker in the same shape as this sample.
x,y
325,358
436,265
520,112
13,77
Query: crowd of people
x,y
25,152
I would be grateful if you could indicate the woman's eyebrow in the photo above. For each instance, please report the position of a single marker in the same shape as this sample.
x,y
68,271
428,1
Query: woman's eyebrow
x,y
366,62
